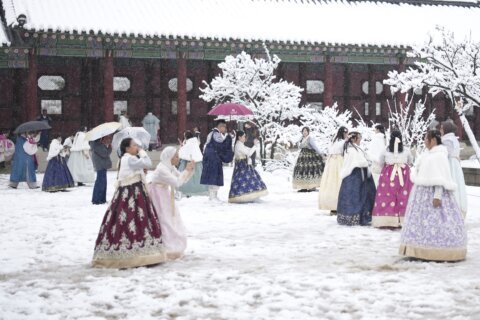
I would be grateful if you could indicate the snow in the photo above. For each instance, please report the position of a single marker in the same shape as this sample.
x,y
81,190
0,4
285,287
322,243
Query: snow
x,y
272,20
3,36
473,163
278,259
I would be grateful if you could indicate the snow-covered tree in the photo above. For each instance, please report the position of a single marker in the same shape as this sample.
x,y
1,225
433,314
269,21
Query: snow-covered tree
x,y
445,65
410,120
252,82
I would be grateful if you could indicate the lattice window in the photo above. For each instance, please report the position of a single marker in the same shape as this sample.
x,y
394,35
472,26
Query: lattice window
x,y
173,85
120,106
378,109
121,84
175,107
51,83
315,87
52,106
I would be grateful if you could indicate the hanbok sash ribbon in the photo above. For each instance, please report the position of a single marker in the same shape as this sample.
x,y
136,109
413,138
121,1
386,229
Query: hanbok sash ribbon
x,y
397,167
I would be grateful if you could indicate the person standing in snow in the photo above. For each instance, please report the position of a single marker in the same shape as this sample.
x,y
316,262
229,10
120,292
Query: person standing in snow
x,y
331,179
251,133
23,165
151,124
394,185
124,121
450,141
45,135
434,229
57,176
67,145
218,150
247,185
357,192
190,151
101,151
130,234
376,148
164,180
307,172
7,149
80,161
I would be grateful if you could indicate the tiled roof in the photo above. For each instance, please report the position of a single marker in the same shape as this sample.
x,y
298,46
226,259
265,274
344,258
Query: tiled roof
x,y
387,22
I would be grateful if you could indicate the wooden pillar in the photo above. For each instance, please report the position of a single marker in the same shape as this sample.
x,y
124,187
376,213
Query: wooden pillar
x,y
347,76
328,93
31,97
108,87
372,93
182,94
401,97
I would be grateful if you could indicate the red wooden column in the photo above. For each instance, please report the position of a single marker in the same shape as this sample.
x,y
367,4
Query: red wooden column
x,y
182,95
31,98
372,94
328,93
401,97
347,76
108,87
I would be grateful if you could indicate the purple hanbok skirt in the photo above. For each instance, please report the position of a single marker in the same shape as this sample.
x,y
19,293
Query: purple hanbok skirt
x,y
429,233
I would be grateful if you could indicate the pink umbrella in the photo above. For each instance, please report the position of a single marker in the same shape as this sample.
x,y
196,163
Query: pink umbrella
x,y
230,109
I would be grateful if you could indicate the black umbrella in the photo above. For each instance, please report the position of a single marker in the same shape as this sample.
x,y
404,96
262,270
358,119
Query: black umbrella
x,y
32,126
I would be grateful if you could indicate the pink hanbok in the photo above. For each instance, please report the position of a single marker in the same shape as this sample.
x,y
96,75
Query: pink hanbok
x,y
164,180
393,189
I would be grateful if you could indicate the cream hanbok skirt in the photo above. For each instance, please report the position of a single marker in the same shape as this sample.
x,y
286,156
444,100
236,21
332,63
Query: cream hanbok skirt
x,y
174,234
330,183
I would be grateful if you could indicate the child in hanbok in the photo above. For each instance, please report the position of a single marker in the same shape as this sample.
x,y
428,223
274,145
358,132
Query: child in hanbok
x,y
57,175
23,165
357,192
80,160
434,228
309,167
394,185
331,180
190,151
246,185
376,148
450,141
164,180
130,234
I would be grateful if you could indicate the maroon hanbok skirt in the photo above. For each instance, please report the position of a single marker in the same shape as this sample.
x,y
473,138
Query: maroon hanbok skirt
x,y
130,234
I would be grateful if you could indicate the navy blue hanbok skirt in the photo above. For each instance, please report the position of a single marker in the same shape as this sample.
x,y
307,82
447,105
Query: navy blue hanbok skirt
x,y
356,198
57,176
247,185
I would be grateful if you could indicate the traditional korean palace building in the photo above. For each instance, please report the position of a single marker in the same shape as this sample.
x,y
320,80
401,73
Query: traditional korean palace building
x,y
85,61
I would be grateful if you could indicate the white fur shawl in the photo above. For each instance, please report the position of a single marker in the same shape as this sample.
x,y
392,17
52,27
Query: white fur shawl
x,y
433,169
353,158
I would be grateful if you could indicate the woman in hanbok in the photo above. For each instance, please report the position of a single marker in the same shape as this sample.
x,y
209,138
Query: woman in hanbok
x,y
331,179
80,161
450,141
164,180
57,175
190,151
357,192
309,167
394,185
246,185
130,234
434,228
23,165
376,148
67,145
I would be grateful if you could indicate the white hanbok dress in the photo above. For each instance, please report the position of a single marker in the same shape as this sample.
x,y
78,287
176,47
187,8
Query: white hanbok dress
x,y
80,162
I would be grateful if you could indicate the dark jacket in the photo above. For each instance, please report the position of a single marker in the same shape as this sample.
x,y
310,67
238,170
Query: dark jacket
x,y
100,155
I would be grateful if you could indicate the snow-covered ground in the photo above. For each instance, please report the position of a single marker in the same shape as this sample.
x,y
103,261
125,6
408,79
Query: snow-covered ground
x,y
278,259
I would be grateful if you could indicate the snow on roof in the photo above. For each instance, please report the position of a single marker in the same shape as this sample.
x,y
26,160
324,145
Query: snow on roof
x,y
314,21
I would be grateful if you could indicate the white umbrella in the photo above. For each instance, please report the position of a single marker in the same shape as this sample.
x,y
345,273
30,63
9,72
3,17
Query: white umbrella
x,y
102,130
139,134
